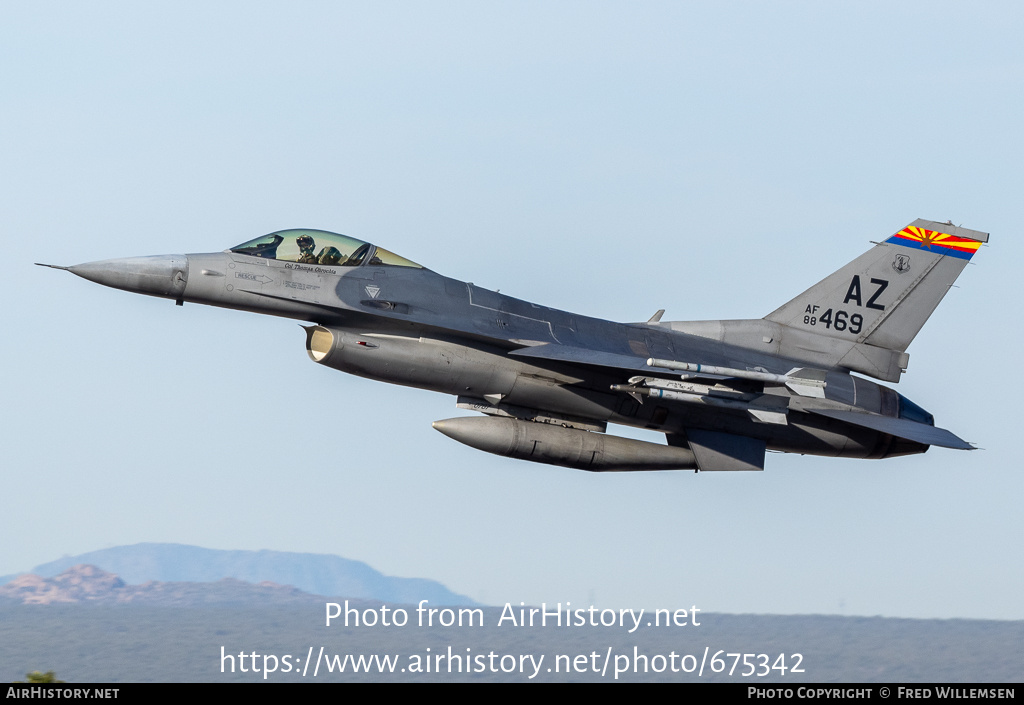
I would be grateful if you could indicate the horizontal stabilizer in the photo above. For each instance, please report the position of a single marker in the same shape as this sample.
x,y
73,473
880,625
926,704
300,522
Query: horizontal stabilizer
x,y
901,428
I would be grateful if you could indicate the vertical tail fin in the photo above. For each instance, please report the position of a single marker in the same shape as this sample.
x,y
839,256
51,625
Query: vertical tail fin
x,y
884,297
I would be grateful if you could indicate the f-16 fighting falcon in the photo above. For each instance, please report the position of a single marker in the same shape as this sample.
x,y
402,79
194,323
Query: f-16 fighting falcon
x,y
548,382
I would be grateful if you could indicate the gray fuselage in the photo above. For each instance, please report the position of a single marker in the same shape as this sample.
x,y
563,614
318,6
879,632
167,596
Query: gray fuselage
x,y
414,327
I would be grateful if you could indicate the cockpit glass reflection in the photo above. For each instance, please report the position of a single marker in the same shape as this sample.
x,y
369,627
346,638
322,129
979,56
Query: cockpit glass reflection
x,y
319,247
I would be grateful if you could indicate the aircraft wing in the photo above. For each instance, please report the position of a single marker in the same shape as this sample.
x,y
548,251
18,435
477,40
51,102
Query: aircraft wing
x,y
624,362
902,428
584,356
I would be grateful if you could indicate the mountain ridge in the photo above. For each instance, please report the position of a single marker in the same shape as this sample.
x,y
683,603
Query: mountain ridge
x,y
317,574
87,584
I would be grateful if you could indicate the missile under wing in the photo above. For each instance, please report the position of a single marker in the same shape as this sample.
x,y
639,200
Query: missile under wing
x,y
548,382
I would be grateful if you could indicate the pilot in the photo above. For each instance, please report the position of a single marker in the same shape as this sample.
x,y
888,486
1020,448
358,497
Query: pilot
x,y
306,247
329,255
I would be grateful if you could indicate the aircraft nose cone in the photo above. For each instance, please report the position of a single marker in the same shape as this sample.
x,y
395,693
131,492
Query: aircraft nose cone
x,y
160,275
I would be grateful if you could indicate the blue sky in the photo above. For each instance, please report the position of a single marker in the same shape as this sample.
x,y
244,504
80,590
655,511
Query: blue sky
x,y
712,159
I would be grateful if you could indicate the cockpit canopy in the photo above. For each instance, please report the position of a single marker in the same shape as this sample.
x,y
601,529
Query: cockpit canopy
x,y
320,247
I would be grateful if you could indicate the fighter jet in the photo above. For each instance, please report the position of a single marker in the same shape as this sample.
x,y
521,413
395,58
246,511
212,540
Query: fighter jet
x,y
547,383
